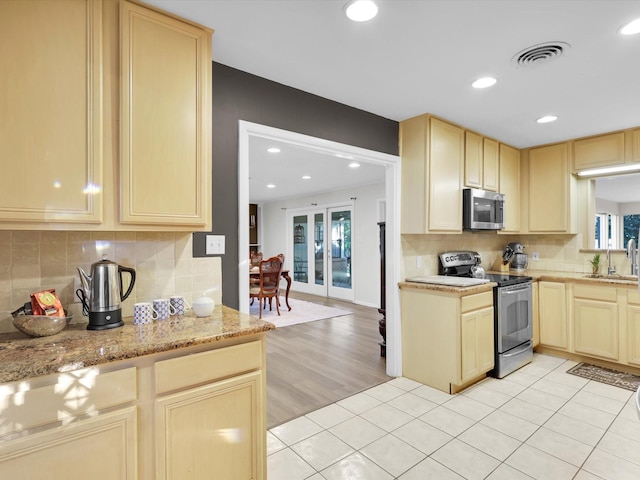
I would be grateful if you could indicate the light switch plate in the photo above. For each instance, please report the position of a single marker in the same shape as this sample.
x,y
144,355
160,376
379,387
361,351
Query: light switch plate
x,y
215,245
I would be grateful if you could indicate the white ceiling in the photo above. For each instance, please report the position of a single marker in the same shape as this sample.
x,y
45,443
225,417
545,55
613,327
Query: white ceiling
x,y
420,56
286,168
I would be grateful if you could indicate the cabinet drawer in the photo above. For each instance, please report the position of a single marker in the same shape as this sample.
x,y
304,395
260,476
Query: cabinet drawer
x,y
476,301
205,367
592,292
74,393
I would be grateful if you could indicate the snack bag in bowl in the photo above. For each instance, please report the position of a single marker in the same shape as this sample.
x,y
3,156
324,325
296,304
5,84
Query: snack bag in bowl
x,y
46,303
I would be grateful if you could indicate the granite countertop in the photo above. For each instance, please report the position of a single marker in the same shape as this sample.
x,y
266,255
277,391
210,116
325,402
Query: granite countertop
x,y
577,277
23,357
485,287
537,275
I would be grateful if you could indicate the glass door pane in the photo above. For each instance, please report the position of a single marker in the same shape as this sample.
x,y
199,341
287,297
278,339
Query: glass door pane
x,y
340,264
318,239
300,249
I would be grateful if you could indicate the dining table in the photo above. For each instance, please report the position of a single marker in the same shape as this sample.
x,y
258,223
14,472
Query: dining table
x,y
254,272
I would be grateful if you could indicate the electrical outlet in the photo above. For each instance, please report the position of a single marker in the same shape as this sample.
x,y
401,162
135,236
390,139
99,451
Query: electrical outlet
x,y
419,261
535,256
215,244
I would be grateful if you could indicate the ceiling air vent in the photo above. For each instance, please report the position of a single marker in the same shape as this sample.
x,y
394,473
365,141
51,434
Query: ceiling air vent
x,y
539,54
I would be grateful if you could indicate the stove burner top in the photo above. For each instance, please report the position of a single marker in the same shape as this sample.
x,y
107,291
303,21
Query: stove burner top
x,y
459,263
504,279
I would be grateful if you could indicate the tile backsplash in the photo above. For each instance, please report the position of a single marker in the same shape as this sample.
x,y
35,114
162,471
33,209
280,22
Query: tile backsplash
x,y
31,261
557,252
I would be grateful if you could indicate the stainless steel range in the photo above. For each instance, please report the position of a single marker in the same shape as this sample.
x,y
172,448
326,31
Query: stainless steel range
x,y
512,306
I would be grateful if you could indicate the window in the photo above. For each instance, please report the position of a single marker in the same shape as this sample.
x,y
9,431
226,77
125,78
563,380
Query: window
x,y
631,224
615,231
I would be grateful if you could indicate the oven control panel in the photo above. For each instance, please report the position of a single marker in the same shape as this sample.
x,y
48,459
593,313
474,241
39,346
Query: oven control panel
x,y
456,259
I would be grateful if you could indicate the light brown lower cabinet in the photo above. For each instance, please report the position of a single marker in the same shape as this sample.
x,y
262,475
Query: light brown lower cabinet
x,y
595,321
192,413
447,338
591,321
552,308
633,327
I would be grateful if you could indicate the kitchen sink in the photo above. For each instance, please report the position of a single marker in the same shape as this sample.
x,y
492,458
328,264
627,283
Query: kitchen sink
x,y
613,276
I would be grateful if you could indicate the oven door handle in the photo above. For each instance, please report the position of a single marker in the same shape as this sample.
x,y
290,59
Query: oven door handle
x,y
518,350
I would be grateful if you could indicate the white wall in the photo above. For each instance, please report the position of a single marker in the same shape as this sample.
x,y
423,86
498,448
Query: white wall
x,y
366,264
607,206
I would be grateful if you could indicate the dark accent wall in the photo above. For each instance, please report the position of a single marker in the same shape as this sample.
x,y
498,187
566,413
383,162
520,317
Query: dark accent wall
x,y
238,96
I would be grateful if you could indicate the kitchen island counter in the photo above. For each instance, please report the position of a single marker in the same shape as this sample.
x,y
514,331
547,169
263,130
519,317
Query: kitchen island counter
x,y
23,357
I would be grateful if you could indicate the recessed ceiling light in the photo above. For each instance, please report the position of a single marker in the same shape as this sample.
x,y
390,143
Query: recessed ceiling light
x,y
354,165
271,185
273,150
631,28
361,10
547,119
306,177
484,82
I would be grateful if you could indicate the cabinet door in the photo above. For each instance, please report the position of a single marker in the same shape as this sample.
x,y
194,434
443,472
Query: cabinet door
x,y
600,151
595,328
101,447
446,160
553,315
633,328
490,165
510,186
535,313
230,441
477,343
635,146
549,193
166,119
51,120
473,162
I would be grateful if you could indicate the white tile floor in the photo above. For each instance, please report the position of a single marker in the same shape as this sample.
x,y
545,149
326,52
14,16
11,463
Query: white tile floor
x,y
538,422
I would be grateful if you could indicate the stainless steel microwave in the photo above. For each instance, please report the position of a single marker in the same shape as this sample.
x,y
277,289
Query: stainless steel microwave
x,y
482,210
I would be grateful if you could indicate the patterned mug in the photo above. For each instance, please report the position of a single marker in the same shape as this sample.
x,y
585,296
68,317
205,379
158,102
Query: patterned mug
x,y
179,304
144,313
164,308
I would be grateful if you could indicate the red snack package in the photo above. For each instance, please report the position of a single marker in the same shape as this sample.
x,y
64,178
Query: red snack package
x,y
46,303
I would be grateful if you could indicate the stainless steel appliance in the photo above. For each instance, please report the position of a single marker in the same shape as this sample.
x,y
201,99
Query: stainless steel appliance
x,y
102,292
512,306
514,255
482,210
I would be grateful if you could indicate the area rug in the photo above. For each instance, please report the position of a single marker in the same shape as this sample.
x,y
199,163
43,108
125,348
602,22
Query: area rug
x,y
301,312
625,380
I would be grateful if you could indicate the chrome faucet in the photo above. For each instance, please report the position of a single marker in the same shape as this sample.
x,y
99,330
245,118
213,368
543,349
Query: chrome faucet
x,y
610,270
632,254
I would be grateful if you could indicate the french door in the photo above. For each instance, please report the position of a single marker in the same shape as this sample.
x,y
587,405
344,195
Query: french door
x,y
322,250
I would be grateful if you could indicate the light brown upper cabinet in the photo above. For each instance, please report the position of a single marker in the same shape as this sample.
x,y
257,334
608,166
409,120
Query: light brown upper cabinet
x,y
607,150
432,152
480,162
551,190
510,187
106,118
635,146
51,119
600,151
166,119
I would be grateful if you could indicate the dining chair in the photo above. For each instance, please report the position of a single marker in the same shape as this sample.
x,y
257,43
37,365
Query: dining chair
x,y
254,261
269,284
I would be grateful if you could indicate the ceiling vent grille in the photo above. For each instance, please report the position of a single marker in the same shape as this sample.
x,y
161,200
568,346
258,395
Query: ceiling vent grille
x,y
539,54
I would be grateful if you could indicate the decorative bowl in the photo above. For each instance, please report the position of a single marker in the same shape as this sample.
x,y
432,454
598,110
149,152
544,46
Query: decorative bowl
x,y
40,325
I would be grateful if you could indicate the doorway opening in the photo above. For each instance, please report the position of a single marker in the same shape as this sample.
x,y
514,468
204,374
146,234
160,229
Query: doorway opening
x,y
391,163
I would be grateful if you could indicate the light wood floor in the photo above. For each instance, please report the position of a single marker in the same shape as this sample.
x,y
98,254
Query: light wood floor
x,y
312,365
